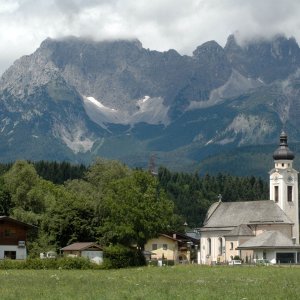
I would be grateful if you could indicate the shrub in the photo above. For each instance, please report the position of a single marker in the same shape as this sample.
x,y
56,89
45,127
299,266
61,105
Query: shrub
x,y
153,263
118,256
58,263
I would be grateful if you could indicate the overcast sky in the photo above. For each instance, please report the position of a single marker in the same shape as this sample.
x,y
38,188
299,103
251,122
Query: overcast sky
x,y
158,24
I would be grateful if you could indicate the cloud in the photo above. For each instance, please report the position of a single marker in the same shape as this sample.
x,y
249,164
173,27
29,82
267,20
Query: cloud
x,y
158,24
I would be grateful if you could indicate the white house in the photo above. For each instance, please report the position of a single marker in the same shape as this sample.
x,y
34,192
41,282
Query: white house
x,y
257,229
89,250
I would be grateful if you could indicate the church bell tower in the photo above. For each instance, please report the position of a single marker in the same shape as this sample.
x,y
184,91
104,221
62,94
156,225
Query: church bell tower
x,y
284,183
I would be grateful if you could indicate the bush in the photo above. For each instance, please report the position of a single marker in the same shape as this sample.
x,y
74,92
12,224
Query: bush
x,y
64,263
119,256
153,263
169,262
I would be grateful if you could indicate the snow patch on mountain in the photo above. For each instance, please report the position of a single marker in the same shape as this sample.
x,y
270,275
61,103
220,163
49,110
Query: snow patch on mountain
x,y
148,110
99,104
236,85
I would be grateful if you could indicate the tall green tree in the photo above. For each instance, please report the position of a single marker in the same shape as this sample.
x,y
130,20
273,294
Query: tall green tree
x,y
135,209
19,180
103,171
5,199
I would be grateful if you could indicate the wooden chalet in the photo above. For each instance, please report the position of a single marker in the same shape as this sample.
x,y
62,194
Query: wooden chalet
x,y
13,238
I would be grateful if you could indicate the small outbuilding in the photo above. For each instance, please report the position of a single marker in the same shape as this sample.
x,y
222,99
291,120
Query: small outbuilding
x,y
273,246
89,250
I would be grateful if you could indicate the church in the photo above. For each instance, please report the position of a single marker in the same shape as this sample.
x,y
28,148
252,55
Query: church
x,y
252,230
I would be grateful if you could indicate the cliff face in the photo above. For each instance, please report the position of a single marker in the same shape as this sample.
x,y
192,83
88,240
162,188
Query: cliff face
x,y
75,99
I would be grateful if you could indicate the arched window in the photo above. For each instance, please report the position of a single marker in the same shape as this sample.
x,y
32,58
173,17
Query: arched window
x,y
209,246
220,246
264,255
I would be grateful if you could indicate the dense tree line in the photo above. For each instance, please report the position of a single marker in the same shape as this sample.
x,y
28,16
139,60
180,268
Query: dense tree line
x,y
59,172
110,203
56,172
192,194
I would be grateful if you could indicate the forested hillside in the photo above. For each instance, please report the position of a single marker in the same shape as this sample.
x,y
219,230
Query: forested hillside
x,y
192,194
111,203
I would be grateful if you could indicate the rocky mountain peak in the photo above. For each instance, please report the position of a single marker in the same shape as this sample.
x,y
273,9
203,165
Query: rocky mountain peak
x,y
116,99
209,51
231,44
268,60
211,57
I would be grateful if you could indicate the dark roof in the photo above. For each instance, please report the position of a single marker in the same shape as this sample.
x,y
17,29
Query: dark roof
x,y
6,218
231,214
226,229
283,151
241,230
269,239
81,246
188,236
169,237
195,235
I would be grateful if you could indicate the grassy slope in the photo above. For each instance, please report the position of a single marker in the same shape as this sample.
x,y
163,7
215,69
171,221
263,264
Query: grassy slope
x,y
181,282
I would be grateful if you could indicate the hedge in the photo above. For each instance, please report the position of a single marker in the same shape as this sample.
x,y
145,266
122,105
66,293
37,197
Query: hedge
x,y
118,256
65,263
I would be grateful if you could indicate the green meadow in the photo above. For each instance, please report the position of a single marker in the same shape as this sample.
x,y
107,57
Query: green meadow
x,y
180,282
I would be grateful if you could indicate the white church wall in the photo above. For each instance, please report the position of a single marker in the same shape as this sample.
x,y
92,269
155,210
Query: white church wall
x,y
282,176
213,253
230,248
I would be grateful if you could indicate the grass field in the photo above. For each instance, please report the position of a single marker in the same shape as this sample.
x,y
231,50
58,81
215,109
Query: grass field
x,y
180,282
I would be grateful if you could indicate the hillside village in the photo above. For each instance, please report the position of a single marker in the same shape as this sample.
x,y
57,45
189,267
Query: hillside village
x,y
114,207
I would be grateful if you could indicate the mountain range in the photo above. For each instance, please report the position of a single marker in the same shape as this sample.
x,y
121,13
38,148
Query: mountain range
x,y
75,99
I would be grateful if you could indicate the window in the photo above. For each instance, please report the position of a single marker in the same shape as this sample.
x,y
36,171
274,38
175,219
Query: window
x,y
282,165
220,246
165,247
154,246
276,193
231,245
209,246
9,233
10,254
289,193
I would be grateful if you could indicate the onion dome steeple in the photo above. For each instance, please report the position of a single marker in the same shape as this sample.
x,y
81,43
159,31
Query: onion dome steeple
x,y
283,152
